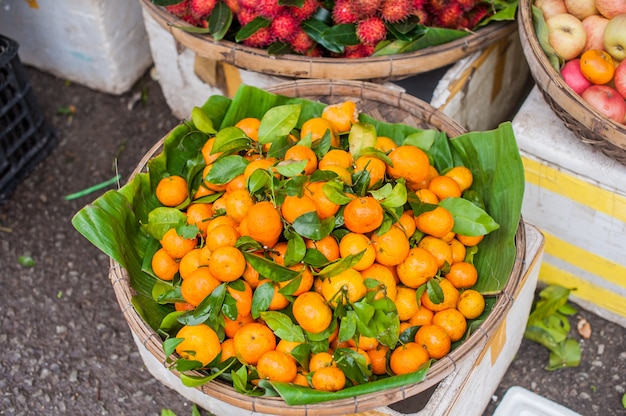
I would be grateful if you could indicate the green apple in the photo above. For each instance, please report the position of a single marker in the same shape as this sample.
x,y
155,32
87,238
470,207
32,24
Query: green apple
x,y
615,37
566,34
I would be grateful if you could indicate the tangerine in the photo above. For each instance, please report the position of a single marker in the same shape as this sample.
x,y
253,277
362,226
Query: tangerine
x,y
434,339
462,176
362,215
452,321
199,214
198,285
312,312
238,203
374,166
328,246
444,187
328,379
325,207
303,153
407,358
462,275
200,343
264,223
317,128
341,115
387,281
450,297
175,245
336,157
406,303
227,264
294,206
438,248
276,366
597,66
221,236
471,304
164,266
253,340
417,268
349,282
437,222
409,162
172,191
354,243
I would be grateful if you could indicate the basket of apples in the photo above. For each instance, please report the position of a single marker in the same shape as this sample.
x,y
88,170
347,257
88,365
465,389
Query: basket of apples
x,y
576,52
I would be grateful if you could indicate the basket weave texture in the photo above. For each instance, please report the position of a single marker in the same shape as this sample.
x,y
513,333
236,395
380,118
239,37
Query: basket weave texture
x,y
584,121
385,105
392,67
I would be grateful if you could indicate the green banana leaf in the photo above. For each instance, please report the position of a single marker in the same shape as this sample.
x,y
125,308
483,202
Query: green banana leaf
x,y
113,222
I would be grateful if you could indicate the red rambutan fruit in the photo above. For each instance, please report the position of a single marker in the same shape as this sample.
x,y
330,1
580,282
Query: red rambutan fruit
x,y
284,26
467,4
372,30
307,10
260,39
269,9
343,12
449,17
202,8
179,9
358,51
366,8
418,4
246,15
394,11
477,14
247,4
232,5
435,6
301,42
422,16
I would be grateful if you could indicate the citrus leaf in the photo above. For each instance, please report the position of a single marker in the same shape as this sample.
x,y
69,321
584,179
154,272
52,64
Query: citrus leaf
x,y
341,265
225,137
278,122
423,139
334,192
226,169
162,219
296,249
282,326
311,226
291,168
270,269
362,136
469,219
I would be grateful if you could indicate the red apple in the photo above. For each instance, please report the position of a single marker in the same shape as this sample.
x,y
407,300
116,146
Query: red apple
x,y
573,76
551,7
611,8
620,78
594,27
581,8
607,101
566,34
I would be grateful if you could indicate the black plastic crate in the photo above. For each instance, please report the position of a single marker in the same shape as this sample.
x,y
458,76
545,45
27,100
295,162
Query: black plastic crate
x,y
25,138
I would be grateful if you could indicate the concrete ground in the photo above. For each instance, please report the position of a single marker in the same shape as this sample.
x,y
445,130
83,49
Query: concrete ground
x,y
66,348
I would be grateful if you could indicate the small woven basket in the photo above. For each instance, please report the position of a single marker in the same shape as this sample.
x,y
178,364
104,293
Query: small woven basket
x,y
389,106
392,67
585,122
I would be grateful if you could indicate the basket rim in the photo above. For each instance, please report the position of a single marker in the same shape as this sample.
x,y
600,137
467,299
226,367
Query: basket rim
x,y
275,405
598,127
381,67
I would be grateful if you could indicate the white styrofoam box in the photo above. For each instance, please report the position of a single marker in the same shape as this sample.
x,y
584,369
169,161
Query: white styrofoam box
x,y
577,197
518,401
467,390
101,44
485,88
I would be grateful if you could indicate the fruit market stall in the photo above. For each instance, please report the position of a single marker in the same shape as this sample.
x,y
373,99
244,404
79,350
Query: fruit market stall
x,y
275,222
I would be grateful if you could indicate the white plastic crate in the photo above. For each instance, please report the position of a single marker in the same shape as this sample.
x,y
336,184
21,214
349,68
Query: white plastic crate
x,y
101,44
518,401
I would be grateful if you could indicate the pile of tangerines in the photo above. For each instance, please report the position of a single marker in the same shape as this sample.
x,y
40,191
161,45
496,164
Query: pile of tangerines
x,y
300,267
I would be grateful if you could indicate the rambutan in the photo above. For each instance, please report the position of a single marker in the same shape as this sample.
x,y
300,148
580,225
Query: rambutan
x,y
435,6
366,8
343,12
394,11
477,14
467,4
422,16
269,9
247,4
358,51
449,17
418,4
372,30
246,15
233,5
301,42
284,26
202,8
307,10
260,39
179,9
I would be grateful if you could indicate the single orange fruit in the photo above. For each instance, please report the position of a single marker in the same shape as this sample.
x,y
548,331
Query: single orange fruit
x,y
471,304
237,184
470,241
328,246
365,343
238,203
462,275
341,115
438,248
320,360
305,154
264,223
164,266
458,250
417,268
409,162
199,215
251,276
250,126
437,222
231,327
301,380
434,339
207,151
354,243
328,379
423,316
427,196
200,343
294,206
221,236
198,286
392,247
228,350
349,282
227,264
597,66
450,297
276,366
444,187
374,166
406,223
312,312
406,303
378,357
452,321
264,164
462,176
385,144
407,358
324,207
279,301
336,157
286,347
243,299
172,191
190,262
221,220
387,281
176,245
423,184
252,341
362,215
317,128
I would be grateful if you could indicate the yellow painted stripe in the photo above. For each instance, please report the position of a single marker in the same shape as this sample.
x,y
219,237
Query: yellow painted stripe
x,y
576,189
585,290
585,260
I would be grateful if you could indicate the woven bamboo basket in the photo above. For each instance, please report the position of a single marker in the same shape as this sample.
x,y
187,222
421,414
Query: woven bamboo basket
x,y
584,121
389,106
392,67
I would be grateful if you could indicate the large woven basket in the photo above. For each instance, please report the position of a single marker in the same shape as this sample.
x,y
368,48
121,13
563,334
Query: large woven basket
x,y
386,105
585,122
391,67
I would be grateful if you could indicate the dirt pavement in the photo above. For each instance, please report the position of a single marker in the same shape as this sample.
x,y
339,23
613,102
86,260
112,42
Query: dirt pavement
x,y
66,347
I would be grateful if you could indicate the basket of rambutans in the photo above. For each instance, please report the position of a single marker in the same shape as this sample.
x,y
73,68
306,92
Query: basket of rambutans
x,y
332,39
576,54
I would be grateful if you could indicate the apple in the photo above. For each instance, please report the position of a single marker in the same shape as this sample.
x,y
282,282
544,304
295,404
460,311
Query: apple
x,y
581,8
615,37
619,78
594,27
611,8
551,7
566,34
573,76
607,101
